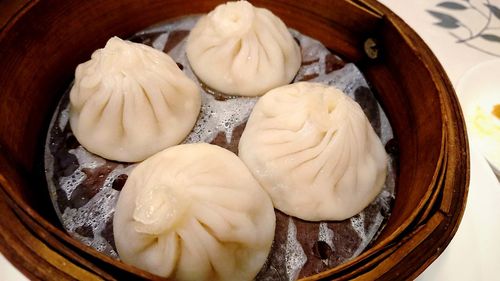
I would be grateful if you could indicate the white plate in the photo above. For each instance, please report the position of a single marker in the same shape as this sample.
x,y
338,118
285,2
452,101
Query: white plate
x,y
479,91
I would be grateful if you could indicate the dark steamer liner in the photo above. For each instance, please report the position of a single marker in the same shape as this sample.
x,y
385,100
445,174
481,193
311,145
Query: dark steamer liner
x,y
84,187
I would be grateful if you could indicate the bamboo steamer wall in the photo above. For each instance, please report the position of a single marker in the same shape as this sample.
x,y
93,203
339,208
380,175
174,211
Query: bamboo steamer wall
x,y
41,42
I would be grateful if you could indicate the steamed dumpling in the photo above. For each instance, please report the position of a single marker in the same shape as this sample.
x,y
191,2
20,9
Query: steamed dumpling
x,y
194,212
239,49
314,151
130,101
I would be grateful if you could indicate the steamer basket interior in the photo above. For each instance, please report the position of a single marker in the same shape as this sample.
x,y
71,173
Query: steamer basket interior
x,y
41,45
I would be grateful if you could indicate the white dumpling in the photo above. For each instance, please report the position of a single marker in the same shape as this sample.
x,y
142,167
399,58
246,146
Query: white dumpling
x,y
130,101
194,212
314,151
239,49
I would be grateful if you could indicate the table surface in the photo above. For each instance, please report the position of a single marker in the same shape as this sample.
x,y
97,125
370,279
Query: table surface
x,y
462,34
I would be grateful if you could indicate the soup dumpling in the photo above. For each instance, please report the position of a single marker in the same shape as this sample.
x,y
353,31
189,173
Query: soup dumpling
x,y
130,101
194,212
314,151
239,49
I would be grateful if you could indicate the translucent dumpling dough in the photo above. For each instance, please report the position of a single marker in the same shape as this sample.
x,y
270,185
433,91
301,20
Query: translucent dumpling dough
x,y
314,151
194,212
130,101
239,49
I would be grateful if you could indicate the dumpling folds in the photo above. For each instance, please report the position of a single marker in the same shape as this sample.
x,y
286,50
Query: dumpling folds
x,y
194,212
239,49
130,101
314,151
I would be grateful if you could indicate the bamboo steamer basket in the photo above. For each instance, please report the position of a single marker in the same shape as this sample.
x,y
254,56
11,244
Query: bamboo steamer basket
x,y
41,42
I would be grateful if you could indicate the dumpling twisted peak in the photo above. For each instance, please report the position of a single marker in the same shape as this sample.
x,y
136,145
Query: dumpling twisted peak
x,y
239,49
314,151
232,19
130,101
194,212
